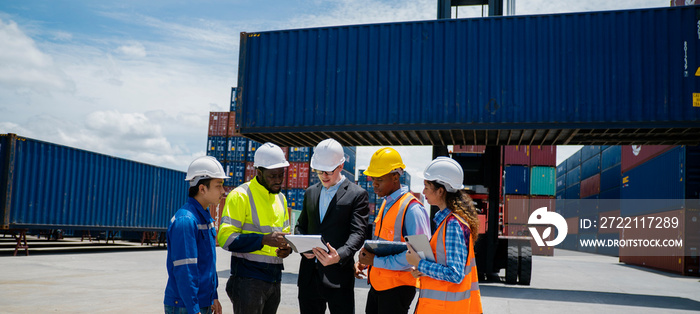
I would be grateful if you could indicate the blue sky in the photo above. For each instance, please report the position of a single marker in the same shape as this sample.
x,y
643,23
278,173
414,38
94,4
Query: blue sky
x,y
137,79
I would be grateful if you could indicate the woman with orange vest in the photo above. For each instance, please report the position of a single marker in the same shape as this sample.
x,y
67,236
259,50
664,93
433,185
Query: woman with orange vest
x,y
450,284
393,287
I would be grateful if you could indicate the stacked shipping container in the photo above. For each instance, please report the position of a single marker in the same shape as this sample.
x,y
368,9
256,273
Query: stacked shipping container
x,y
236,154
634,183
529,183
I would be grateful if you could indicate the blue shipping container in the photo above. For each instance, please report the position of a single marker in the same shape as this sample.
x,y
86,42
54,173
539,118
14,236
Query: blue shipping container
x,y
250,151
607,68
350,159
609,200
573,177
663,183
610,178
561,169
50,186
610,157
573,161
299,154
236,147
236,171
590,167
573,191
589,151
216,147
517,180
234,93
561,183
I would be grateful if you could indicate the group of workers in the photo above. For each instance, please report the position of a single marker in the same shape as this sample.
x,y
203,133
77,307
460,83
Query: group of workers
x,y
255,220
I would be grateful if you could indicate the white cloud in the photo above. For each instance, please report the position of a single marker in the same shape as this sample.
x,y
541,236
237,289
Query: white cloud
x,y
135,50
24,67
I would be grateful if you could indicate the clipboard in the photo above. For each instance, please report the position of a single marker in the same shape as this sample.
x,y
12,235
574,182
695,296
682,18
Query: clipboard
x,y
420,243
302,243
385,248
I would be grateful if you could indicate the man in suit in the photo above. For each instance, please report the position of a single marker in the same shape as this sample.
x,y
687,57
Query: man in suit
x,y
337,209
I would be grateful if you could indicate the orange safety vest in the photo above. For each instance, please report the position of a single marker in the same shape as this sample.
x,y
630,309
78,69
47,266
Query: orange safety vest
x,y
390,228
438,296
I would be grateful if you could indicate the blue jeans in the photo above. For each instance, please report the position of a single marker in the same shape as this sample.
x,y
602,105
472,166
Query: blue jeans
x,y
169,309
253,296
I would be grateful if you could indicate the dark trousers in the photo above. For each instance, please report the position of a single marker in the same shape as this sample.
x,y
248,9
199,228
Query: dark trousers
x,y
253,296
396,300
313,299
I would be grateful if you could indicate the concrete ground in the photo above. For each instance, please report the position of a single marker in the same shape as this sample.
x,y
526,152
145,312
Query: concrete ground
x,y
131,278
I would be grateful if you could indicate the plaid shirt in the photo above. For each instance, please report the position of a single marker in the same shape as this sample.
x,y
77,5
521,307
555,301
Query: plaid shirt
x,y
457,251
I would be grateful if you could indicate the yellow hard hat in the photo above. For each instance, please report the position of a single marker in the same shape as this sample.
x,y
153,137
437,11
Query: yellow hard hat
x,y
384,161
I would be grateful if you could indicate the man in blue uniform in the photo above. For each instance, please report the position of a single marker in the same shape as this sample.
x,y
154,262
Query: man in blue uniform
x,y
191,263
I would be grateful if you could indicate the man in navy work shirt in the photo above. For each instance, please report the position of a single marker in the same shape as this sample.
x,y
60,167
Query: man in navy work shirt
x,y
191,263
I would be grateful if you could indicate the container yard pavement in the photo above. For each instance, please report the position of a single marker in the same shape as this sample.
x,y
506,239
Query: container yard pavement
x,y
133,281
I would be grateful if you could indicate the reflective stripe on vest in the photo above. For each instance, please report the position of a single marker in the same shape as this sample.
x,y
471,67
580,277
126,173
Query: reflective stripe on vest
x,y
448,297
254,227
384,279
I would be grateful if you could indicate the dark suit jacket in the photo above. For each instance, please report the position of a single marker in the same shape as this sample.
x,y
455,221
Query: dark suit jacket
x,y
343,226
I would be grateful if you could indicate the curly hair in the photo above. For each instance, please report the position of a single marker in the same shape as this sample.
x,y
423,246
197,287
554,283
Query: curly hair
x,y
461,204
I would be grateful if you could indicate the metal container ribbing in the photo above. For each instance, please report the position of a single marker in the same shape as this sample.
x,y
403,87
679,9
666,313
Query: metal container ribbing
x,y
593,69
589,151
610,156
542,181
590,167
54,186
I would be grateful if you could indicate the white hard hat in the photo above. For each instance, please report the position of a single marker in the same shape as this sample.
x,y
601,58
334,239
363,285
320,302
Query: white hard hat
x,y
445,171
205,167
269,156
328,155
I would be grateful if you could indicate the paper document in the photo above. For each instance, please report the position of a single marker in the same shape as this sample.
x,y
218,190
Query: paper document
x,y
302,243
385,248
420,243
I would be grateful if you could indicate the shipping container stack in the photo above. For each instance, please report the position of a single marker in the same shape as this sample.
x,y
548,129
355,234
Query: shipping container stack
x,y
633,183
529,183
662,184
236,154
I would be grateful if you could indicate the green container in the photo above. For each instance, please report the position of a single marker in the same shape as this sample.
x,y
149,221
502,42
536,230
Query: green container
x,y
543,181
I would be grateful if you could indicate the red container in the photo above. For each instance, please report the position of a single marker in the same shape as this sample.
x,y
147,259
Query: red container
x,y
516,155
304,172
231,126
590,186
469,149
482,223
543,156
249,171
606,217
683,260
542,201
218,123
572,224
516,209
298,175
286,152
634,155
216,211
